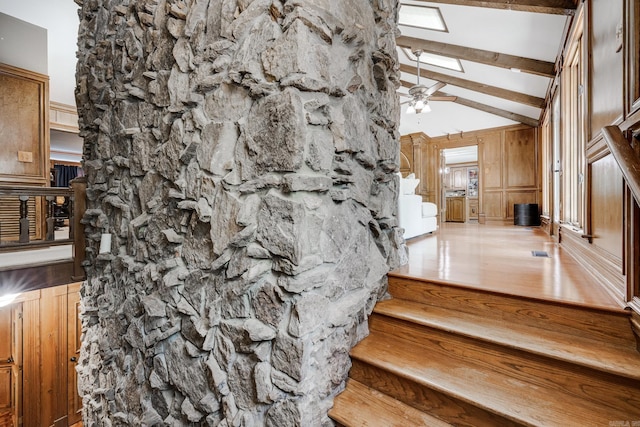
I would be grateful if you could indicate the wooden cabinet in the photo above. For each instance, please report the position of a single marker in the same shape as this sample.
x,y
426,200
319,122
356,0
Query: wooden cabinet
x,y
456,209
472,208
458,178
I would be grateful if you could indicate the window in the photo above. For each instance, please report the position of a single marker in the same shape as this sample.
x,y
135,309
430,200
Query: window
x,y
633,54
573,142
435,60
426,17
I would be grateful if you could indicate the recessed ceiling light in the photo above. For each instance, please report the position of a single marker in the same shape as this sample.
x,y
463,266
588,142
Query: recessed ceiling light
x,y
425,17
435,60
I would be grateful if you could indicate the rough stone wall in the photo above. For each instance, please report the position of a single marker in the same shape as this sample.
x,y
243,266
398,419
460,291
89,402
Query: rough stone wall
x,y
241,153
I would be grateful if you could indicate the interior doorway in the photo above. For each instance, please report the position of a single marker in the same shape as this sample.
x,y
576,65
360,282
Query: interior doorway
x,y
460,180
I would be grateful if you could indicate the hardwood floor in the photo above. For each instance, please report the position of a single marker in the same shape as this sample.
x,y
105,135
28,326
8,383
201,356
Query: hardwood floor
x,y
498,258
480,333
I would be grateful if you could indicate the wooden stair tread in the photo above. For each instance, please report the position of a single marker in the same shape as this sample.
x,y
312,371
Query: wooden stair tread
x,y
600,324
476,382
614,359
359,405
615,391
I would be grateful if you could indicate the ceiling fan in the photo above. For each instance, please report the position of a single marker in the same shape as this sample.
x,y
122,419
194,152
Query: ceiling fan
x,y
421,95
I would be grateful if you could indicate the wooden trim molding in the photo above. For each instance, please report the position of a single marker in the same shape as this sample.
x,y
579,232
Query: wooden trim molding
x,y
601,264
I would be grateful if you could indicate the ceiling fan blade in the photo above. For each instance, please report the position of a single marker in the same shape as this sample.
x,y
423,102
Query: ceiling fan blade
x,y
443,98
405,102
436,87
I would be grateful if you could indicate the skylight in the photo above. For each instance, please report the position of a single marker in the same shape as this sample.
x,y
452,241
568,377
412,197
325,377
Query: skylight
x,y
435,60
426,17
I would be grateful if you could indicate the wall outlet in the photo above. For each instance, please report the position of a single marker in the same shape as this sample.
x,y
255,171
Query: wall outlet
x,y
25,156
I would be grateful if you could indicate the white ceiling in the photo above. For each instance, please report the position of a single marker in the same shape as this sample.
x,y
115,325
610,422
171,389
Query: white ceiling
x,y
60,19
524,34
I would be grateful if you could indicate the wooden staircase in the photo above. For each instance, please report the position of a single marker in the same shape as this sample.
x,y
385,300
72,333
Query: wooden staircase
x,y
441,354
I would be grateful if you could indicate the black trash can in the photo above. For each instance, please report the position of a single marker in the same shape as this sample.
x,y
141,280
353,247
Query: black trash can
x,y
526,214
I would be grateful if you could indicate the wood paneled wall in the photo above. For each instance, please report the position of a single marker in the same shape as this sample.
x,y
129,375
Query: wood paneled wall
x,y
605,92
510,171
611,72
606,205
24,119
508,163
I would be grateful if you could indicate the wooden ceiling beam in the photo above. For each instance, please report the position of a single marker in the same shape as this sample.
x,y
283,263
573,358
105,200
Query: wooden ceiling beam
x,y
554,7
486,108
502,60
493,110
510,95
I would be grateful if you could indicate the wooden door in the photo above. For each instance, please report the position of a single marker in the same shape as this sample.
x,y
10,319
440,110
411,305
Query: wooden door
x,y
73,353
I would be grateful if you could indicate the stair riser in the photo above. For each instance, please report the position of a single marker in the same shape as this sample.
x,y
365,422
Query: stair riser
x,y
430,401
623,395
594,324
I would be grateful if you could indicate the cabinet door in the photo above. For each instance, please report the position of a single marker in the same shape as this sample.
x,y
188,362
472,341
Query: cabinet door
x,y
73,352
473,209
459,178
10,374
6,392
455,209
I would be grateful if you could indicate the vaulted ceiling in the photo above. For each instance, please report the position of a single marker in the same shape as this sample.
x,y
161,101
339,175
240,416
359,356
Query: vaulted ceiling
x,y
488,37
507,50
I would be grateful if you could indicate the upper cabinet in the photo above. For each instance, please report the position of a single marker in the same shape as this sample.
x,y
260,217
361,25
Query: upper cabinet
x,y
459,178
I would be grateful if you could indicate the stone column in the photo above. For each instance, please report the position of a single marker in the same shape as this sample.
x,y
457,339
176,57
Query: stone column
x,y
242,156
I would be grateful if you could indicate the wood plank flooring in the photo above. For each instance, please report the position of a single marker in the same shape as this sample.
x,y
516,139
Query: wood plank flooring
x,y
478,332
498,258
